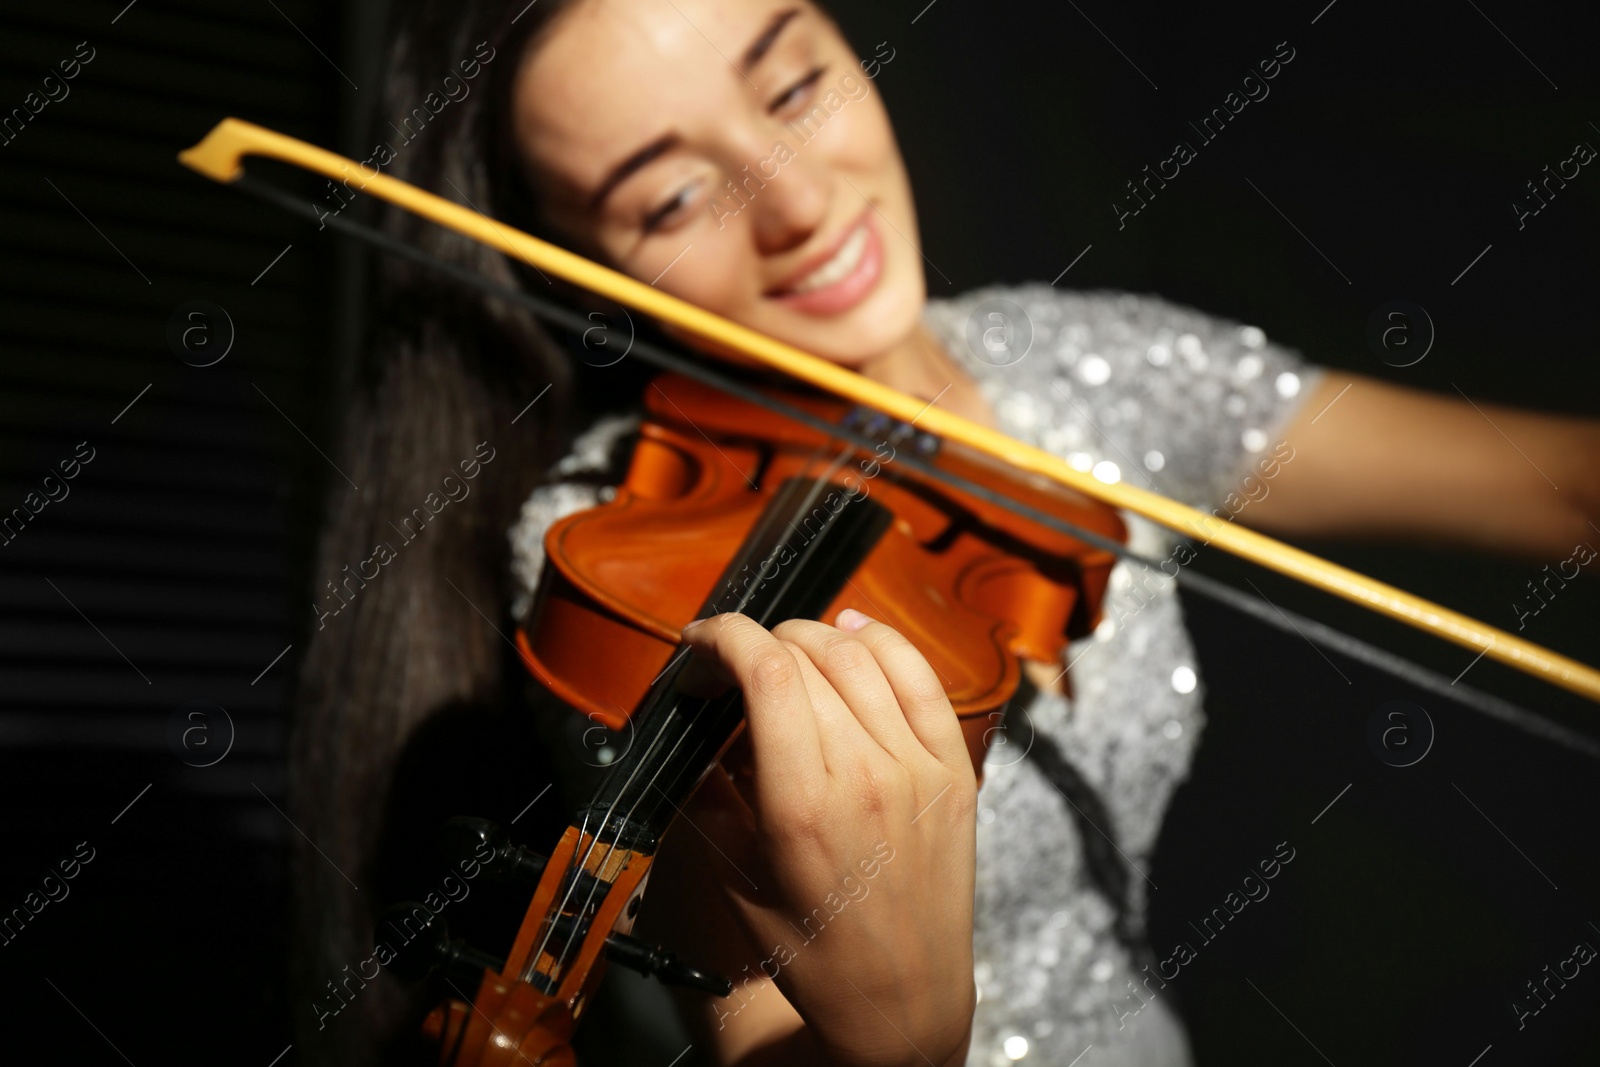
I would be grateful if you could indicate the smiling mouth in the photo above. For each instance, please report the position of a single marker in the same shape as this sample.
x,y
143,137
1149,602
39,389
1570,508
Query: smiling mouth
x,y
843,279
838,266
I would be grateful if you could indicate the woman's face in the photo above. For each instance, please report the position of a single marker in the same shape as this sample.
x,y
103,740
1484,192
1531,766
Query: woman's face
x,y
729,152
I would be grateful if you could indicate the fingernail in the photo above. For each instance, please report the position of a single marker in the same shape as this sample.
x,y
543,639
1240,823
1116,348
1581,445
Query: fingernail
x,y
850,620
692,625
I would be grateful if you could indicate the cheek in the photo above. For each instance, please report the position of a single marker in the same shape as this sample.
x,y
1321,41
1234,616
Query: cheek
x,y
867,153
863,141
710,268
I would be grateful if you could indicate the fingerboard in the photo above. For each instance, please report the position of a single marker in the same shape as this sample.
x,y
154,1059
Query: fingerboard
x,y
808,541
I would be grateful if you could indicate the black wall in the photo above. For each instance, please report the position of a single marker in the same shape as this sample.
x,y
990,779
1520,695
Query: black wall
x,y
174,570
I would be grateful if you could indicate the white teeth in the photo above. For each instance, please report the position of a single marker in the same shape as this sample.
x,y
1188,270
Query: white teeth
x,y
839,267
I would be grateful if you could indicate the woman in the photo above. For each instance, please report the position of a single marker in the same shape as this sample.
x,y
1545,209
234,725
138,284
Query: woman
x,y
732,153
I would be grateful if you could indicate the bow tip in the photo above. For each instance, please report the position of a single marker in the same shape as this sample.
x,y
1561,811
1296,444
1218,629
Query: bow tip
x,y
218,155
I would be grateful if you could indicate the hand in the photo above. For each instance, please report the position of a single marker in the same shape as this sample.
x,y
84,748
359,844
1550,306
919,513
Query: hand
x,y
851,860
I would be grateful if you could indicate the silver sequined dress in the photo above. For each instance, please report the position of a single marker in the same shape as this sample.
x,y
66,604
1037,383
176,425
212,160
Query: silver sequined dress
x,y
1126,387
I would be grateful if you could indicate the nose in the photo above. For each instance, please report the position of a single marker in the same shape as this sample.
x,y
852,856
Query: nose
x,y
791,205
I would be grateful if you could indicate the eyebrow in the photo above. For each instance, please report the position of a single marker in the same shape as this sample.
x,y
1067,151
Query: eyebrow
x,y
763,44
666,142
650,152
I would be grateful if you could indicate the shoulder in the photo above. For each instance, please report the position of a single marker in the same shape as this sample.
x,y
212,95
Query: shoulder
x,y
1065,323
1128,384
1106,345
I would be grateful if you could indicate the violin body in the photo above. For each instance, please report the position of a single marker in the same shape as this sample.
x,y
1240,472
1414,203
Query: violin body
x,y
972,585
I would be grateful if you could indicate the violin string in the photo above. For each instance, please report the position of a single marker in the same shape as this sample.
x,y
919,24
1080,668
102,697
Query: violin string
x,y
801,508
573,940
692,758
814,490
796,566
577,864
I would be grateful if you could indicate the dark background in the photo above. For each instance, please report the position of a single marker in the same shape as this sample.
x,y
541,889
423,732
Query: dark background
x,y
177,569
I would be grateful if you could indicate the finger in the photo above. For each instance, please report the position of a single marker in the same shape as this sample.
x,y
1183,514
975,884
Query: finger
x,y
854,673
842,736
784,743
925,708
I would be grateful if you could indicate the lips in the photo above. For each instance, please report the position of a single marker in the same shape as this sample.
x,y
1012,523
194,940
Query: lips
x,y
841,276
838,266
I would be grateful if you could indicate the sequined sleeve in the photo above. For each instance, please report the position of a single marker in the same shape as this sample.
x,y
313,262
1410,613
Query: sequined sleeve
x,y
581,479
1128,386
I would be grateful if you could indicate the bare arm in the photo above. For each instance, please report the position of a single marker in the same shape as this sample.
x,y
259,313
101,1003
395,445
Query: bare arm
x,y
1385,460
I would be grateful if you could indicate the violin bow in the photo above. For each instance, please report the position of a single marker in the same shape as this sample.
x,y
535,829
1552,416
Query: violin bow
x,y
219,156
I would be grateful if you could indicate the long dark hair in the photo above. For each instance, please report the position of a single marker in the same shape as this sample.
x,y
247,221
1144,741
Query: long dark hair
x,y
446,370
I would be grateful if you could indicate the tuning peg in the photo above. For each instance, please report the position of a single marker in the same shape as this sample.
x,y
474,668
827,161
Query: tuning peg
x,y
465,838
647,959
424,944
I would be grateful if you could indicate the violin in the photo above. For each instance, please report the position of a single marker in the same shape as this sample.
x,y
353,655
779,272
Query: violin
x,y
726,508
980,550
973,586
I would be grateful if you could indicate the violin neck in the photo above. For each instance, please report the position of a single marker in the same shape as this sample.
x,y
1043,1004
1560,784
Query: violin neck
x,y
779,573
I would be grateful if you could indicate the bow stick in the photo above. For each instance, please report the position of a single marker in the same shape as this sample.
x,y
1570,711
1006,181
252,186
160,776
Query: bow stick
x,y
219,156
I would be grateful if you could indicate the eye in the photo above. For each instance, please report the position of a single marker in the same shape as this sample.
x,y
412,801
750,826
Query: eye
x,y
792,95
663,214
